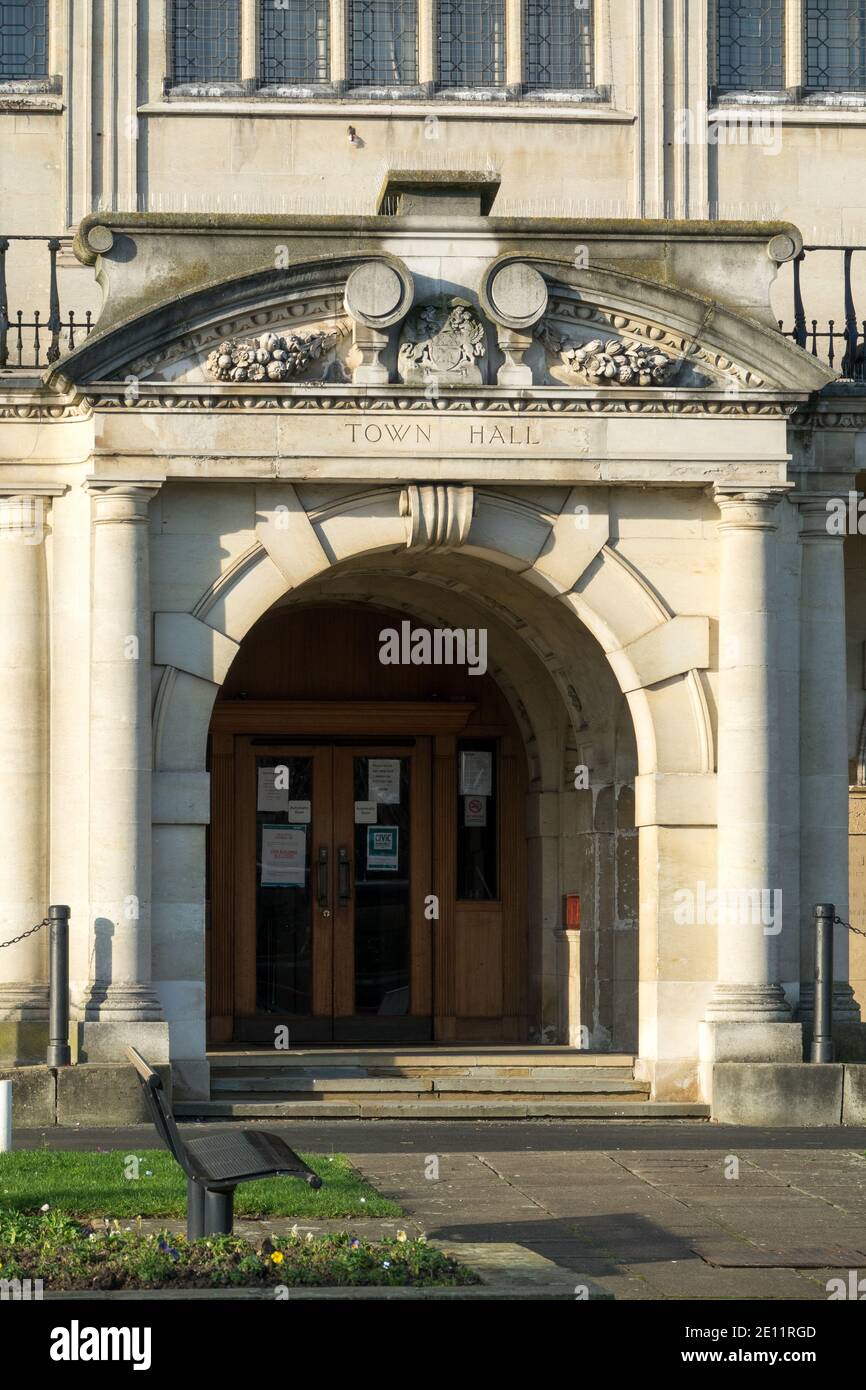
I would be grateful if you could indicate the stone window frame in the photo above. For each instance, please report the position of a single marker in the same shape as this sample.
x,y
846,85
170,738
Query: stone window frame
x,y
338,86
795,89
37,92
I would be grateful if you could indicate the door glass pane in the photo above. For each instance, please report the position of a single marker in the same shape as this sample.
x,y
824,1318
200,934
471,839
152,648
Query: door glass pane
x,y
381,887
284,900
477,829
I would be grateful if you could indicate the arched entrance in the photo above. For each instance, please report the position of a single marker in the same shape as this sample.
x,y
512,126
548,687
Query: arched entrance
x,y
366,857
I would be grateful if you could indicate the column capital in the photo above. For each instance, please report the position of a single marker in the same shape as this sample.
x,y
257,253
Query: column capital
x,y
819,509
121,502
749,508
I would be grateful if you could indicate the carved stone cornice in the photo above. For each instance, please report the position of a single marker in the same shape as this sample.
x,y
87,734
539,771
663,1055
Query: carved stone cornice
x,y
438,515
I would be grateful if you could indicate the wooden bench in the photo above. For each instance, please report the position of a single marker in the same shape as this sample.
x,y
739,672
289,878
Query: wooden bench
x,y
216,1163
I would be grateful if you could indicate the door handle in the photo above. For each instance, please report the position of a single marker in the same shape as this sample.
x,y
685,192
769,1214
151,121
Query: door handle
x,y
343,866
322,885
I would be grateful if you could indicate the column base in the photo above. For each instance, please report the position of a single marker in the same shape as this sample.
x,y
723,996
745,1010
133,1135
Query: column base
x,y
23,1003
845,1006
726,1040
121,1004
108,1039
748,1004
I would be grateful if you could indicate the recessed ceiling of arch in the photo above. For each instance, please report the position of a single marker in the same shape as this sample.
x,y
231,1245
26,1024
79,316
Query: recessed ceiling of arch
x,y
601,330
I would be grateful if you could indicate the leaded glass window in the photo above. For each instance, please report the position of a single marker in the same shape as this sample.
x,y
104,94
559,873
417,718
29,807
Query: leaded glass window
x,y
206,40
383,43
294,42
835,47
751,45
471,43
558,44
23,39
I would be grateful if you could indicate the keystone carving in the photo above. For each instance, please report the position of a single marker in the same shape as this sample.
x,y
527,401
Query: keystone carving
x,y
442,343
438,515
271,357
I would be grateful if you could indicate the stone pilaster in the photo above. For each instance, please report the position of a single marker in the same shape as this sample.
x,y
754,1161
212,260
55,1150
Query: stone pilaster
x,y
823,750
750,911
120,991
23,772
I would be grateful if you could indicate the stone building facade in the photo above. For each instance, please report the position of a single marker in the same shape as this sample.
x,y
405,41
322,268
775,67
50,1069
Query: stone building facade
x,y
430,334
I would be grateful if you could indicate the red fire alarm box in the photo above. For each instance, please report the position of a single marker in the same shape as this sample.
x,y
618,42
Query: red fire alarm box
x,y
572,911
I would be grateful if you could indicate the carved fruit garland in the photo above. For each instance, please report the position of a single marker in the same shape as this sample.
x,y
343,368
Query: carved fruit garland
x,y
615,363
270,357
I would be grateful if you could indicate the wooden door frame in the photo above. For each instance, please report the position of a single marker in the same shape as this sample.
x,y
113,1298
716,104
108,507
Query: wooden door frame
x,y
441,723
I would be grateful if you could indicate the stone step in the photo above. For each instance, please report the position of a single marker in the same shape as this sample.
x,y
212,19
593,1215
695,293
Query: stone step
x,y
273,1077
399,1059
407,1109
295,1087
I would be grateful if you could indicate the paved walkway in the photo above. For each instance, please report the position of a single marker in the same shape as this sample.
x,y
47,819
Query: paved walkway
x,y
635,1220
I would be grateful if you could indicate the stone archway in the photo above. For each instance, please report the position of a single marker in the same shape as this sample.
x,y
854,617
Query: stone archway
x,y
655,657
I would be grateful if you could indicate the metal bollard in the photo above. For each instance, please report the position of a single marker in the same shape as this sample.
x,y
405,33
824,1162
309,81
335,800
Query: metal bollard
x,y
822,1036
58,1003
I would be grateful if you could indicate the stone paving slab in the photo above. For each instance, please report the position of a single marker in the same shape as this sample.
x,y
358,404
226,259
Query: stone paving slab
x,y
637,1222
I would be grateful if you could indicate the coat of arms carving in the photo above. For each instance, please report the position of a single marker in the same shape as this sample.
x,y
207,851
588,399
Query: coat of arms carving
x,y
442,343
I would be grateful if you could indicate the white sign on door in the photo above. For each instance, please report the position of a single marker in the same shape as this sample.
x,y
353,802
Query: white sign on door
x,y
273,789
384,784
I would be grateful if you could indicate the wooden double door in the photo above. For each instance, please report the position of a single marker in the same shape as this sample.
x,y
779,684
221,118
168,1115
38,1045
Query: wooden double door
x,y
333,853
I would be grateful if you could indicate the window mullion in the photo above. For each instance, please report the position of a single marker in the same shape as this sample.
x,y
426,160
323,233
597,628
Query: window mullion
x,y
339,23
427,42
250,40
795,43
514,44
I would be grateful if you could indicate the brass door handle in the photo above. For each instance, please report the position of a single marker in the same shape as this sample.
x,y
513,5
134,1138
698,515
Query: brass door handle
x,y
344,892
322,885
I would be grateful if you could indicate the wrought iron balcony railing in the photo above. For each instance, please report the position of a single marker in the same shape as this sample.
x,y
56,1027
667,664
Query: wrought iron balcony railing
x,y
841,347
28,343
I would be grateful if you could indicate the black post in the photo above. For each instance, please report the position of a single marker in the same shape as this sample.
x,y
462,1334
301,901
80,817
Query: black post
x,y
822,1036
219,1206
195,1228
54,323
58,1004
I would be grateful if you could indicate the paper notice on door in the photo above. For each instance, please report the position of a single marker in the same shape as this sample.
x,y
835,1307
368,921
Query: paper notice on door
x,y
273,789
365,812
476,774
384,785
475,810
284,856
299,812
382,848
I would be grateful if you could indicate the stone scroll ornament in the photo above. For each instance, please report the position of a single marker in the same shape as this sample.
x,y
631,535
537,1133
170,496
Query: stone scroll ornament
x,y
442,342
271,357
612,362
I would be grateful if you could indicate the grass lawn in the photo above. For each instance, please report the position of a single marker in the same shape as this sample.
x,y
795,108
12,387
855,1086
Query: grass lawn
x,y
120,1185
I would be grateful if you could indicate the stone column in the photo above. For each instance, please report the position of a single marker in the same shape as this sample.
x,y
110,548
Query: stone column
x,y
23,778
120,772
823,750
748,991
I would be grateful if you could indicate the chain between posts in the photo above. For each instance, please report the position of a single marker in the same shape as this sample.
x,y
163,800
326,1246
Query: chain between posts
x,y
838,922
13,941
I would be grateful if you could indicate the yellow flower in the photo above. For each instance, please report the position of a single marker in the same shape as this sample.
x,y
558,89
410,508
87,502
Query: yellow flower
x,y
277,1257
401,1235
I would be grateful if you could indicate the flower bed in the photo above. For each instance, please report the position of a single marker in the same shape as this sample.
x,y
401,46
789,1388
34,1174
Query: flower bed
x,y
67,1254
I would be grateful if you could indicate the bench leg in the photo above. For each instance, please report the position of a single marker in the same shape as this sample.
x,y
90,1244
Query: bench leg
x,y
219,1211
195,1224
